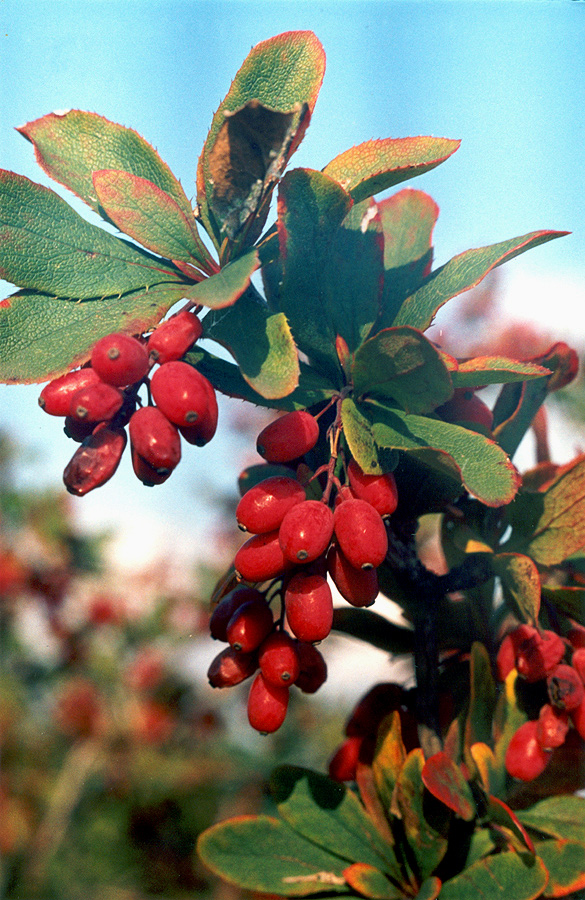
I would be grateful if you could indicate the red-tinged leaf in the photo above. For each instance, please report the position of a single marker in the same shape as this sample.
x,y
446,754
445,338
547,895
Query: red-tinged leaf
x,y
561,817
565,862
498,813
482,697
260,853
227,285
42,337
482,370
428,844
462,273
376,165
444,779
71,146
520,583
149,215
429,889
370,882
389,759
485,765
501,876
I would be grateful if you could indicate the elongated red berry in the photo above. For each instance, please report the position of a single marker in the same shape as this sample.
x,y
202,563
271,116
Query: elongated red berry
x,y
203,430
265,505
289,437
380,491
226,608
358,586
260,558
306,530
146,473
229,668
267,705
309,607
279,659
95,460
565,688
154,438
360,533
313,672
249,625
120,359
55,398
525,759
180,392
98,402
173,337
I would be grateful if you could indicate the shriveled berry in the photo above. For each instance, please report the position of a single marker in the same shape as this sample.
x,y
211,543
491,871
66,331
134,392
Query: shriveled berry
x,y
98,402
306,530
552,727
249,625
358,586
360,533
265,505
203,430
537,653
260,558
279,659
379,490
173,337
267,705
180,392
55,398
313,672
289,437
343,764
154,438
95,460
229,668
226,608
525,759
120,359
309,606
565,688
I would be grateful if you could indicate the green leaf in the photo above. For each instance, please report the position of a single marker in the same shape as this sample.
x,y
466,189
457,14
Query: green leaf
x,y
403,365
561,817
149,215
376,165
482,466
389,758
482,370
570,601
462,273
444,779
520,583
227,285
261,342
46,246
500,815
360,439
565,863
260,853
482,697
42,337
71,146
560,530
498,877
429,889
370,882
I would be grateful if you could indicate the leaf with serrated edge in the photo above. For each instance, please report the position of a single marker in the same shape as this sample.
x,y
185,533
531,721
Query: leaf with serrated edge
x,y
444,779
462,273
521,584
474,373
565,862
501,876
376,165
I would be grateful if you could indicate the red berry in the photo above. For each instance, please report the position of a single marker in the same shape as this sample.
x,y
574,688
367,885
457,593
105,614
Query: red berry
x,y
565,688
249,625
95,460
279,659
260,558
360,533
309,607
265,505
551,727
313,672
467,409
227,606
358,586
506,658
379,490
146,473
525,759
203,430
55,398
289,437
578,718
172,338
231,667
267,705
76,430
180,392
537,653
120,359
154,438
578,662
305,531
343,764
98,402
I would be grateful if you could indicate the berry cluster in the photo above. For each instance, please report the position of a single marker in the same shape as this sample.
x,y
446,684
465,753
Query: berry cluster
x,y
99,400
296,543
556,668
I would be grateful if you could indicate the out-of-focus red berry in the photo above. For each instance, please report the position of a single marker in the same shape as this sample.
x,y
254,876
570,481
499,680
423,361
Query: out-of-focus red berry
x,y
525,759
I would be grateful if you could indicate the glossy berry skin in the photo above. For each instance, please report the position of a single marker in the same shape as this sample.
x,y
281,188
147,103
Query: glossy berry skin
x,y
358,586
525,759
95,460
120,359
305,531
55,398
565,688
267,705
309,607
380,491
261,558
230,667
289,437
98,402
313,673
279,660
249,625
360,533
227,606
203,430
173,337
154,438
265,505
180,392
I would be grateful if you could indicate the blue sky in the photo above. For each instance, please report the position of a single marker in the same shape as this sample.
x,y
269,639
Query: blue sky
x,y
506,78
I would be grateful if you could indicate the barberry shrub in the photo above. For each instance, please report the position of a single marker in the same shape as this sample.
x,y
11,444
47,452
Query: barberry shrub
x,y
464,783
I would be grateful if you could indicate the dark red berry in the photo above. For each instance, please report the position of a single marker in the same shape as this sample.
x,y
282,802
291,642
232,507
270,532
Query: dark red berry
x,y
120,359
565,688
249,625
227,606
525,759
146,473
313,672
267,705
360,533
203,430
95,460
306,530
77,431
98,402
180,392
265,505
154,438
358,586
260,558
55,398
279,659
379,490
172,338
467,409
289,437
309,607
229,668
552,727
